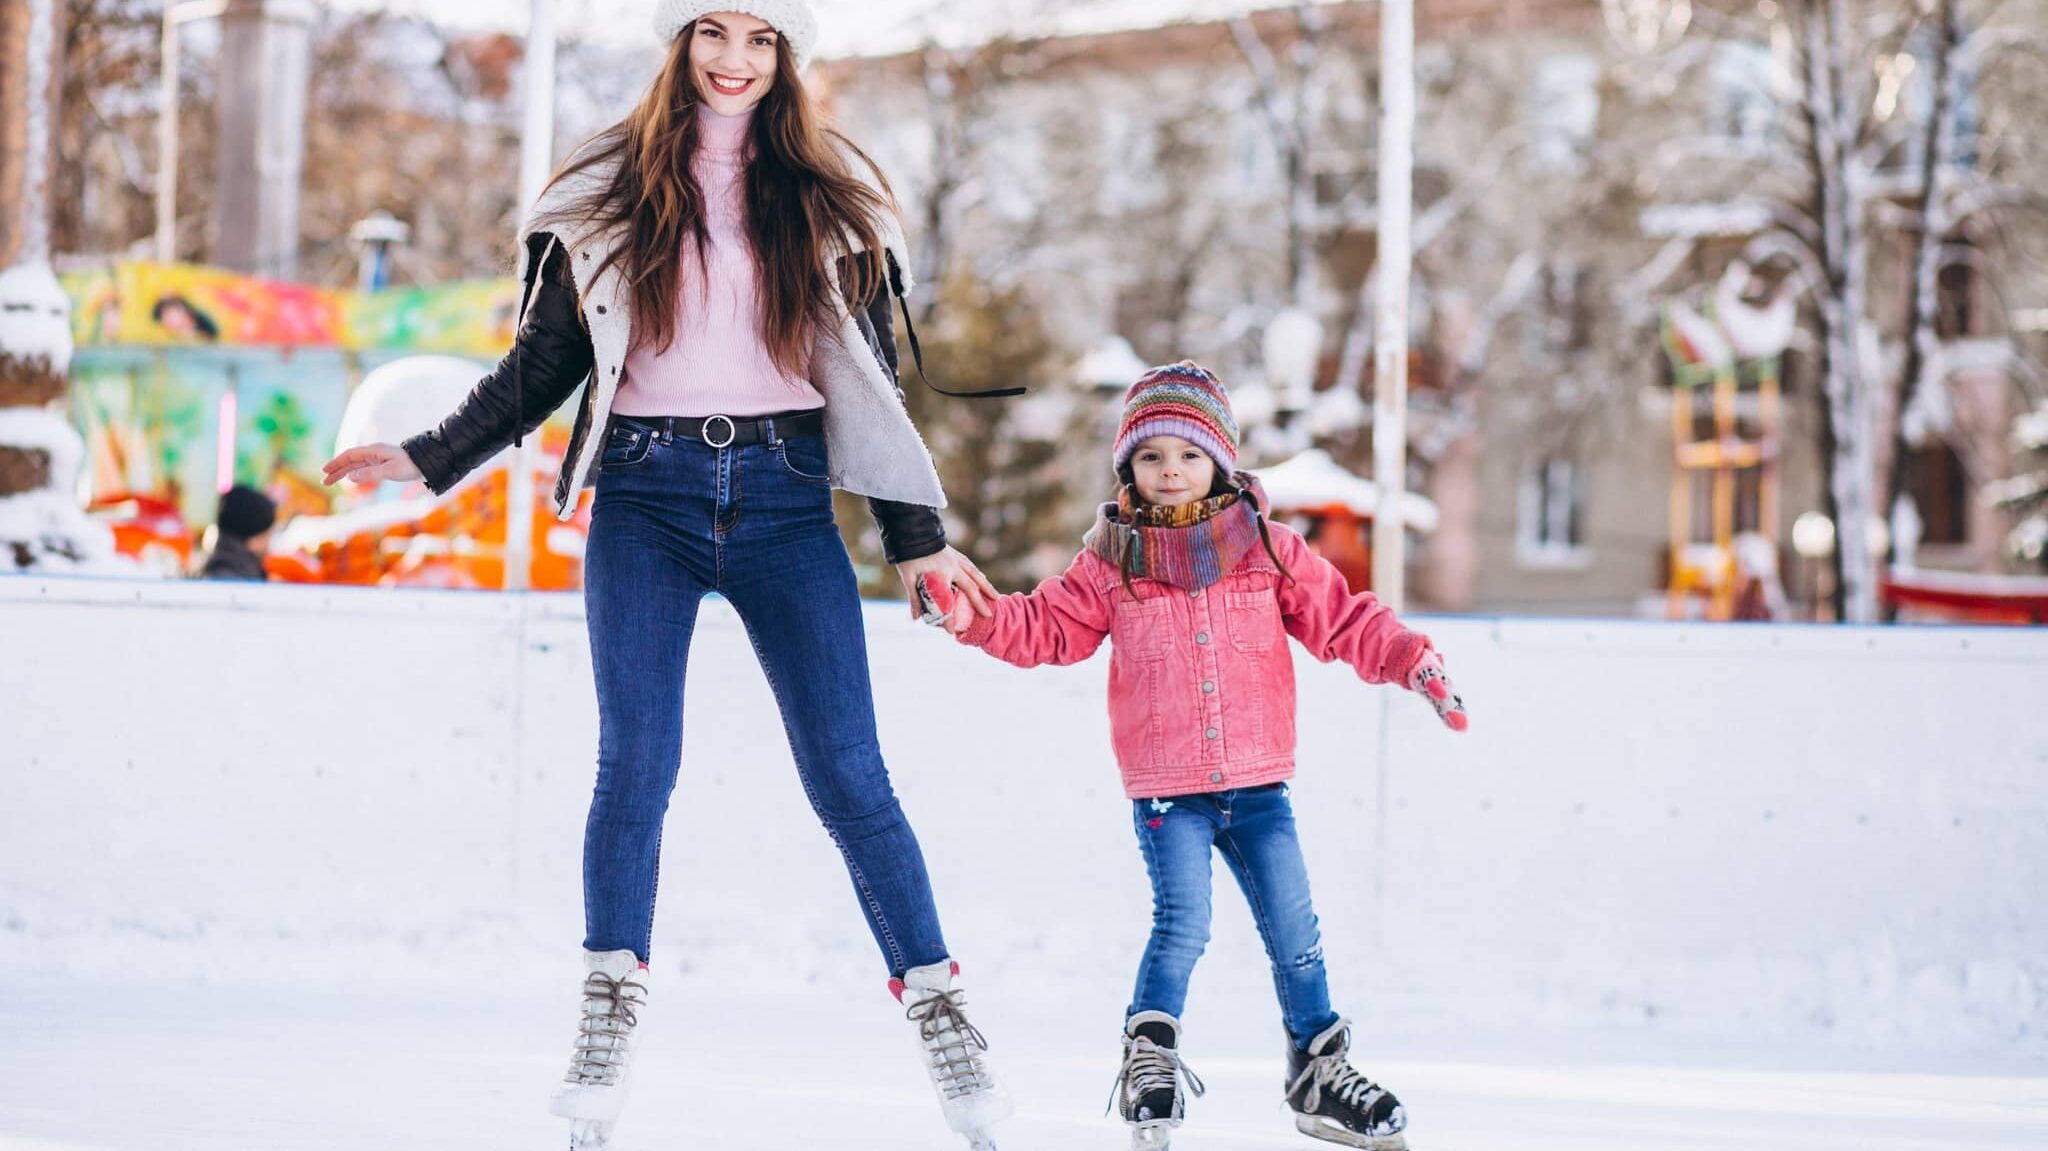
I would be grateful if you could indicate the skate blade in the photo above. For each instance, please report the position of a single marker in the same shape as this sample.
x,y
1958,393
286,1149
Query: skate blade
x,y
1329,1131
1155,1135
980,1140
590,1135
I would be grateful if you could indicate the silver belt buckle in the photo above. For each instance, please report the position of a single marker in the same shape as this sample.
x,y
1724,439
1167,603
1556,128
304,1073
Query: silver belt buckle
x,y
732,432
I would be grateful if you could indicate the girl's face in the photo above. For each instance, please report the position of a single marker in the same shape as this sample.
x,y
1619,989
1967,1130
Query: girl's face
x,y
733,60
1171,471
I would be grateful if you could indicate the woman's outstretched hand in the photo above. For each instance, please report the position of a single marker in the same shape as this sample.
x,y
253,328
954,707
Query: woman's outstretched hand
x,y
371,463
1429,681
954,571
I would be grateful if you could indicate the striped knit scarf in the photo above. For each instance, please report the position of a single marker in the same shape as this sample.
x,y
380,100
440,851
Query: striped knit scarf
x,y
1190,546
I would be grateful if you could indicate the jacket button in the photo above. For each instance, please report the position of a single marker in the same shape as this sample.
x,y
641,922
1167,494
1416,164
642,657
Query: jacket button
x,y
1202,637
1195,594
1208,687
600,309
1212,733
1215,777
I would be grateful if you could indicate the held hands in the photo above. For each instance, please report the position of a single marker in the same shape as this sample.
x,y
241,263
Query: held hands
x,y
1429,681
951,573
371,463
941,607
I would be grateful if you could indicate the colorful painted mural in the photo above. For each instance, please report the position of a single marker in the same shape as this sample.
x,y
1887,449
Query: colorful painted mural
x,y
188,379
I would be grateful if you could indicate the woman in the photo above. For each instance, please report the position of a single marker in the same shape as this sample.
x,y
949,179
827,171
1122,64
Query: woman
x,y
718,265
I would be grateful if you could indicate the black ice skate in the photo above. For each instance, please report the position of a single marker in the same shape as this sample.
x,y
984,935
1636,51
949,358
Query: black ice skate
x,y
1148,1088
1334,1103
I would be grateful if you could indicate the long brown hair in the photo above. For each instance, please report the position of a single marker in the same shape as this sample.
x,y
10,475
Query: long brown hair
x,y
804,205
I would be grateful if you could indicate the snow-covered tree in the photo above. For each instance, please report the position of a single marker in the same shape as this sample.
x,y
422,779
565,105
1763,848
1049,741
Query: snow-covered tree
x,y
41,526
1872,102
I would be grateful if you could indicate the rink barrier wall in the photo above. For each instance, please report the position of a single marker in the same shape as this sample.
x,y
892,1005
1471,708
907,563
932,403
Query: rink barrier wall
x,y
1736,828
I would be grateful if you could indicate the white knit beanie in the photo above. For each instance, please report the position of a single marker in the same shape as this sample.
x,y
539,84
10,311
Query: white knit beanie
x,y
792,18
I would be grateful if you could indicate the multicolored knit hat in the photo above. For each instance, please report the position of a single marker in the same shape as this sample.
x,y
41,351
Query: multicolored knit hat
x,y
1185,400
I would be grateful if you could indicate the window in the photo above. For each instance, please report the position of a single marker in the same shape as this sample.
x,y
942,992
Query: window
x,y
1954,296
1564,107
1745,93
1941,494
1551,525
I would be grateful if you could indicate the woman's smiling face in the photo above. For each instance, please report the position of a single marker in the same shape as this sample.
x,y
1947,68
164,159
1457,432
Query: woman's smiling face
x,y
733,59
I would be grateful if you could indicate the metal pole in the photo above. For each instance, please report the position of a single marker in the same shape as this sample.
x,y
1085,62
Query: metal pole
x,y
537,143
167,124
1390,340
167,147
536,159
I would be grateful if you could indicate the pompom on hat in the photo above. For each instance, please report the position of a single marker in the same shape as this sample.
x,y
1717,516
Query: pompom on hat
x,y
792,18
1185,400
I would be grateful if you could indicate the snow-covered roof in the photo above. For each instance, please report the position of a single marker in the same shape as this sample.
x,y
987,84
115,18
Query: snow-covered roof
x,y
1700,221
1314,480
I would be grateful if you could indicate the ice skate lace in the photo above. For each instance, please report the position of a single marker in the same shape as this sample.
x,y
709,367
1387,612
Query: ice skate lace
x,y
954,1043
1345,1084
1149,1067
610,1012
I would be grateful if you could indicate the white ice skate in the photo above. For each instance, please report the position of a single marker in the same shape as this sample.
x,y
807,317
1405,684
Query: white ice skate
x,y
593,1092
955,1053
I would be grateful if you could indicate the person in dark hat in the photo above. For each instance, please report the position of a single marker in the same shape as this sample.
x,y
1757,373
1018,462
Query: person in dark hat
x,y
241,536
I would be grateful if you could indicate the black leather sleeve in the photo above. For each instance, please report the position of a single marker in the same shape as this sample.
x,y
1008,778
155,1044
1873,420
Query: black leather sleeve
x,y
550,357
909,531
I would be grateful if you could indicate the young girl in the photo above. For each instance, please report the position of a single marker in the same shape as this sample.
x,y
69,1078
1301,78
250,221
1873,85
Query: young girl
x,y
1196,591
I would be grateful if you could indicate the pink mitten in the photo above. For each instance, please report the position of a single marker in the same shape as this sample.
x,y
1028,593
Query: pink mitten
x,y
935,597
1429,681
942,606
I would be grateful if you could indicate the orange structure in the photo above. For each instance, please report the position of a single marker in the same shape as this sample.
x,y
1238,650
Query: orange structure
x,y
1334,510
454,541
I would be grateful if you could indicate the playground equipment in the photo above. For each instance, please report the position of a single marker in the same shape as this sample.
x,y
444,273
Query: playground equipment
x,y
1726,415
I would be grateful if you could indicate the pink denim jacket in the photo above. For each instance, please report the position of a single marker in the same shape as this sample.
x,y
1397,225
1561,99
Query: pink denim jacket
x,y
1201,684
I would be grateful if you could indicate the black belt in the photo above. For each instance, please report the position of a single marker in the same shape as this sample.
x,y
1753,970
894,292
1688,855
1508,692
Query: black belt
x,y
728,432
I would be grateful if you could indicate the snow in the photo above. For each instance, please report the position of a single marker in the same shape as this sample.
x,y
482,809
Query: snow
x,y
404,398
1733,219
135,1065
1976,583
1111,364
49,523
1313,479
37,430
2030,431
1754,332
59,537
317,848
307,533
35,316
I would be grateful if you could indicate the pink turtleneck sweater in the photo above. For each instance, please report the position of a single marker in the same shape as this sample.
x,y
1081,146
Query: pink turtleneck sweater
x,y
718,364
